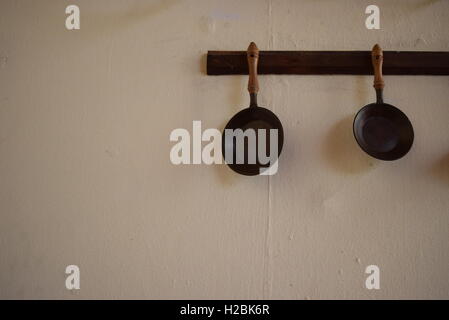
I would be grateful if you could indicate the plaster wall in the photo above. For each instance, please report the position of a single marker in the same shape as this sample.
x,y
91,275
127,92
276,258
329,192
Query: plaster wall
x,y
85,175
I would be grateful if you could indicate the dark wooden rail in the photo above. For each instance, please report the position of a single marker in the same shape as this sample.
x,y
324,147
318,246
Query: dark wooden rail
x,y
329,62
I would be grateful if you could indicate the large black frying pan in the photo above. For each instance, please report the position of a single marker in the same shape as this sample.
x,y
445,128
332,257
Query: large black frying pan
x,y
382,130
254,117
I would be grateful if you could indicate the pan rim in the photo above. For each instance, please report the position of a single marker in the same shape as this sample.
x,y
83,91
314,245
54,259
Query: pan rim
x,y
390,155
276,124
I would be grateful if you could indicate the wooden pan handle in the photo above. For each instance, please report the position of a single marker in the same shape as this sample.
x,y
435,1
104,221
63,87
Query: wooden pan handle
x,y
252,55
377,59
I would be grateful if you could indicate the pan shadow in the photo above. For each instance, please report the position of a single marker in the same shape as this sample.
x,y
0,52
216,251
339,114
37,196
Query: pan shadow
x,y
440,169
342,152
225,175
238,98
203,64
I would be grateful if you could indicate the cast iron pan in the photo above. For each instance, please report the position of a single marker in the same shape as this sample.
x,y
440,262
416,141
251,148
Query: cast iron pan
x,y
382,130
254,117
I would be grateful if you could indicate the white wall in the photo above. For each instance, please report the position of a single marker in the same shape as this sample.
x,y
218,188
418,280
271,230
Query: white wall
x,y
85,176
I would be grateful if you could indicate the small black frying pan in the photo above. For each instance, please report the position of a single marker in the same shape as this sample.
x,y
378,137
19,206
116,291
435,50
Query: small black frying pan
x,y
255,118
382,130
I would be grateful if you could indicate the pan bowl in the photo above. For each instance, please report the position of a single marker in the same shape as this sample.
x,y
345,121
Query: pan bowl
x,y
383,131
251,118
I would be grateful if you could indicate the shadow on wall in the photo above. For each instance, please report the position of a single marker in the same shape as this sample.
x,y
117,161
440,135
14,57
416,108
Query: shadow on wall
x,y
203,64
342,152
225,175
237,99
441,169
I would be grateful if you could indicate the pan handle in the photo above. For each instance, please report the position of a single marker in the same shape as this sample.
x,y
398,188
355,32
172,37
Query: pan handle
x,y
377,59
252,55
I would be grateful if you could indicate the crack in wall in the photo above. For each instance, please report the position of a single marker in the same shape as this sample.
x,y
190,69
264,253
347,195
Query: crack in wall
x,y
268,262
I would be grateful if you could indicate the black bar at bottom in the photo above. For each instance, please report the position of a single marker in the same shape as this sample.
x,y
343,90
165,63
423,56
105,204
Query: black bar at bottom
x,y
227,309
